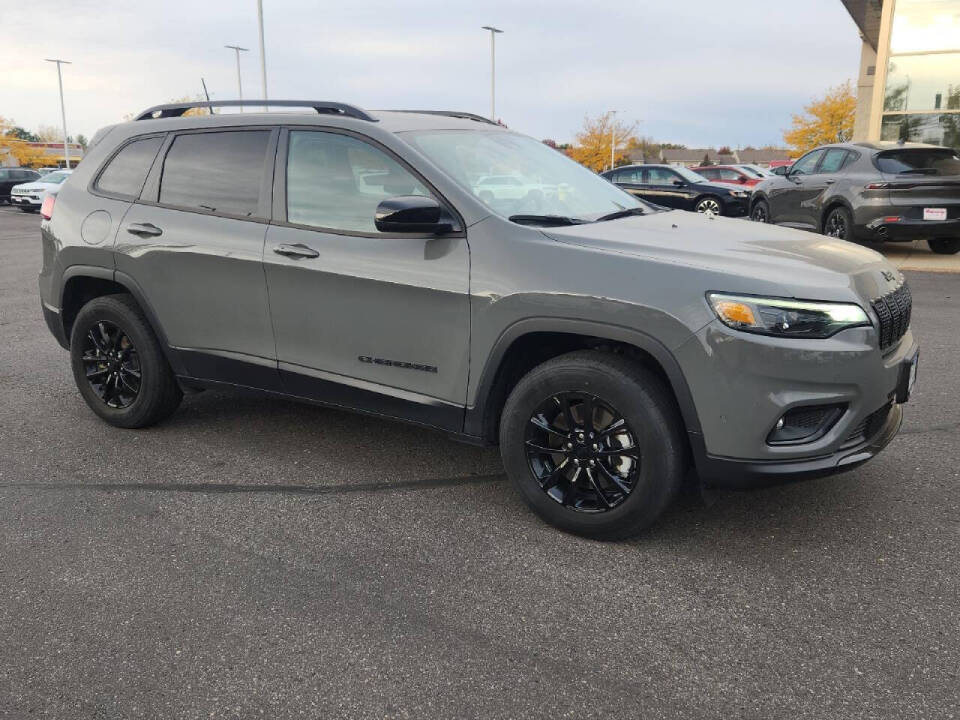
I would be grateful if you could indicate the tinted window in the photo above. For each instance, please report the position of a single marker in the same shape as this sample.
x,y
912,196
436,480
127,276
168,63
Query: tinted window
x,y
806,164
708,173
661,176
5,174
919,162
833,160
124,175
219,172
628,176
336,181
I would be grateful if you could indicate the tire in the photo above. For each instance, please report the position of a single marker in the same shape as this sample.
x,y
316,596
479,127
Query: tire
x,y
615,385
838,224
760,212
944,246
116,323
709,203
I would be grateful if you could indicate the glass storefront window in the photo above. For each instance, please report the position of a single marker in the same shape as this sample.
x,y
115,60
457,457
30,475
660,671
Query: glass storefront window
x,y
935,129
923,82
925,25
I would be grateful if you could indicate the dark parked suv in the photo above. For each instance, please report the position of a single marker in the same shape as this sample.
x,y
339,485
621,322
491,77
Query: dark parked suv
x,y
348,258
14,176
869,192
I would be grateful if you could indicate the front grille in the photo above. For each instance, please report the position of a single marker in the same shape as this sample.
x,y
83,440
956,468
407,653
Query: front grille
x,y
893,310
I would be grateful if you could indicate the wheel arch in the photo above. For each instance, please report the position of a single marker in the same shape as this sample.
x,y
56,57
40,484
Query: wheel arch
x,y
830,205
531,342
82,283
707,194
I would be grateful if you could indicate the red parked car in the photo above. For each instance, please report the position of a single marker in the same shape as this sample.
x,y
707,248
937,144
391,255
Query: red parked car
x,y
727,174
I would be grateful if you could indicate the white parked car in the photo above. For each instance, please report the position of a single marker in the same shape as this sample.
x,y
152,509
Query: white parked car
x,y
29,196
509,187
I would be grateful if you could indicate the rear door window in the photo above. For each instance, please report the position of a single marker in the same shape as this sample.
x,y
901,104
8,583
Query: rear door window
x,y
125,173
218,172
833,160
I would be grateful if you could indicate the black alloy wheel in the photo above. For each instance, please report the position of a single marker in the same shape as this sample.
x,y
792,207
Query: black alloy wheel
x,y
837,225
582,452
760,212
594,443
119,365
111,365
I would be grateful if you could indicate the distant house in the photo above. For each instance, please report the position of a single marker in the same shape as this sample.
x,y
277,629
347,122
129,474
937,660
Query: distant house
x,y
52,151
765,157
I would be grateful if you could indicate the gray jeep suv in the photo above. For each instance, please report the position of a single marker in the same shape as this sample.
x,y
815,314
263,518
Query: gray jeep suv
x,y
347,258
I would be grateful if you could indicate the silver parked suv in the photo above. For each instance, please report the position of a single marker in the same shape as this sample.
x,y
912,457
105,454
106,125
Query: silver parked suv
x,y
354,259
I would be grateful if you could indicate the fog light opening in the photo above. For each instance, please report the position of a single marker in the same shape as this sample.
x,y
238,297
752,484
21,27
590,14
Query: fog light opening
x,y
805,424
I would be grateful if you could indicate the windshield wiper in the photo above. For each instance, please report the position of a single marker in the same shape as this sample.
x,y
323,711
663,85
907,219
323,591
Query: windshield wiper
x,y
621,214
545,220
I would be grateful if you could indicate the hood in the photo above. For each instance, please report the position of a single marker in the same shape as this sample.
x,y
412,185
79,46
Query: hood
x,y
34,186
722,186
751,257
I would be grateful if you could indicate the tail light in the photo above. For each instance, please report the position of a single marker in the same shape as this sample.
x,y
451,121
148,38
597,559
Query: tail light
x,y
46,210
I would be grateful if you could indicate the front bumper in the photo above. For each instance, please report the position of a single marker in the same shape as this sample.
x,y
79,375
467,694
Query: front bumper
x,y
736,207
742,384
26,201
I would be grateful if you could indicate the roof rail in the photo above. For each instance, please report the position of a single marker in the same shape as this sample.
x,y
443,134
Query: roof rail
x,y
449,113
323,108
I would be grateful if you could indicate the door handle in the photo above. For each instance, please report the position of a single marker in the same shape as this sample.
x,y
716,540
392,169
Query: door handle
x,y
298,250
829,182
144,229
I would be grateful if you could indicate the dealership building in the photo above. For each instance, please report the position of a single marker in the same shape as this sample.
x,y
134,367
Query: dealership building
x,y
909,82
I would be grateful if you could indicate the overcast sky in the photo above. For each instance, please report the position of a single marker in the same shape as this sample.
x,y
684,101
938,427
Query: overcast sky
x,y
698,72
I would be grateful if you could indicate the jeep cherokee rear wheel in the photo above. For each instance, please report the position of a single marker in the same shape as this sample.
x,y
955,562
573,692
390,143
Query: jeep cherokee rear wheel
x,y
119,366
594,444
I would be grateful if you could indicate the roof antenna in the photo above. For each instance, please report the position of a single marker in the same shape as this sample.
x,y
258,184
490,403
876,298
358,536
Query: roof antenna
x,y
203,82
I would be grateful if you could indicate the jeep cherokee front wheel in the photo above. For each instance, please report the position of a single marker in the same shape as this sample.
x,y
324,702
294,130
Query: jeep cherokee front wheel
x,y
593,442
118,364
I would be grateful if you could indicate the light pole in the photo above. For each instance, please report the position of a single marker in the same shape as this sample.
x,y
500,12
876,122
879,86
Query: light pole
x,y
493,70
63,112
613,137
263,57
237,49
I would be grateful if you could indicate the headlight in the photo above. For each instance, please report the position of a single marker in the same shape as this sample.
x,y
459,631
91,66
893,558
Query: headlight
x,y
740,193
786,318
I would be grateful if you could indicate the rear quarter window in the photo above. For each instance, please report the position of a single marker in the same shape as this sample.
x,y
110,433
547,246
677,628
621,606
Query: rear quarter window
x,y
127,170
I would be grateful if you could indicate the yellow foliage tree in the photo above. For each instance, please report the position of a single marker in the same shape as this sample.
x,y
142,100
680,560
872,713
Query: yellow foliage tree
x,y
827,120
22,152
592,146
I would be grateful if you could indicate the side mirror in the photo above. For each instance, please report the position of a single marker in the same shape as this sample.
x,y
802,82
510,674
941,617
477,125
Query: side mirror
x,y
679,183
411,214
742,179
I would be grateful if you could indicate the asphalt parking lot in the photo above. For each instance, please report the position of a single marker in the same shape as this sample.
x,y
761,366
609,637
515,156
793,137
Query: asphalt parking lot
x,y
255,557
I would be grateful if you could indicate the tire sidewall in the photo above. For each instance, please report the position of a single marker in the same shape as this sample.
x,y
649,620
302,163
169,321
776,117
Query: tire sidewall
x,y
654,430
766,211
706,198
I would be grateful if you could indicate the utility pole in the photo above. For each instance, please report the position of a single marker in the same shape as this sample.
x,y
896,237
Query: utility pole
x,y
63,112
237,49
263,57
493,70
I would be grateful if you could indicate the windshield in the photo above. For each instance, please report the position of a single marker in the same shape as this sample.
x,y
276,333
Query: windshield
x,y
515,175
690,175
54,178
751,171
919,161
